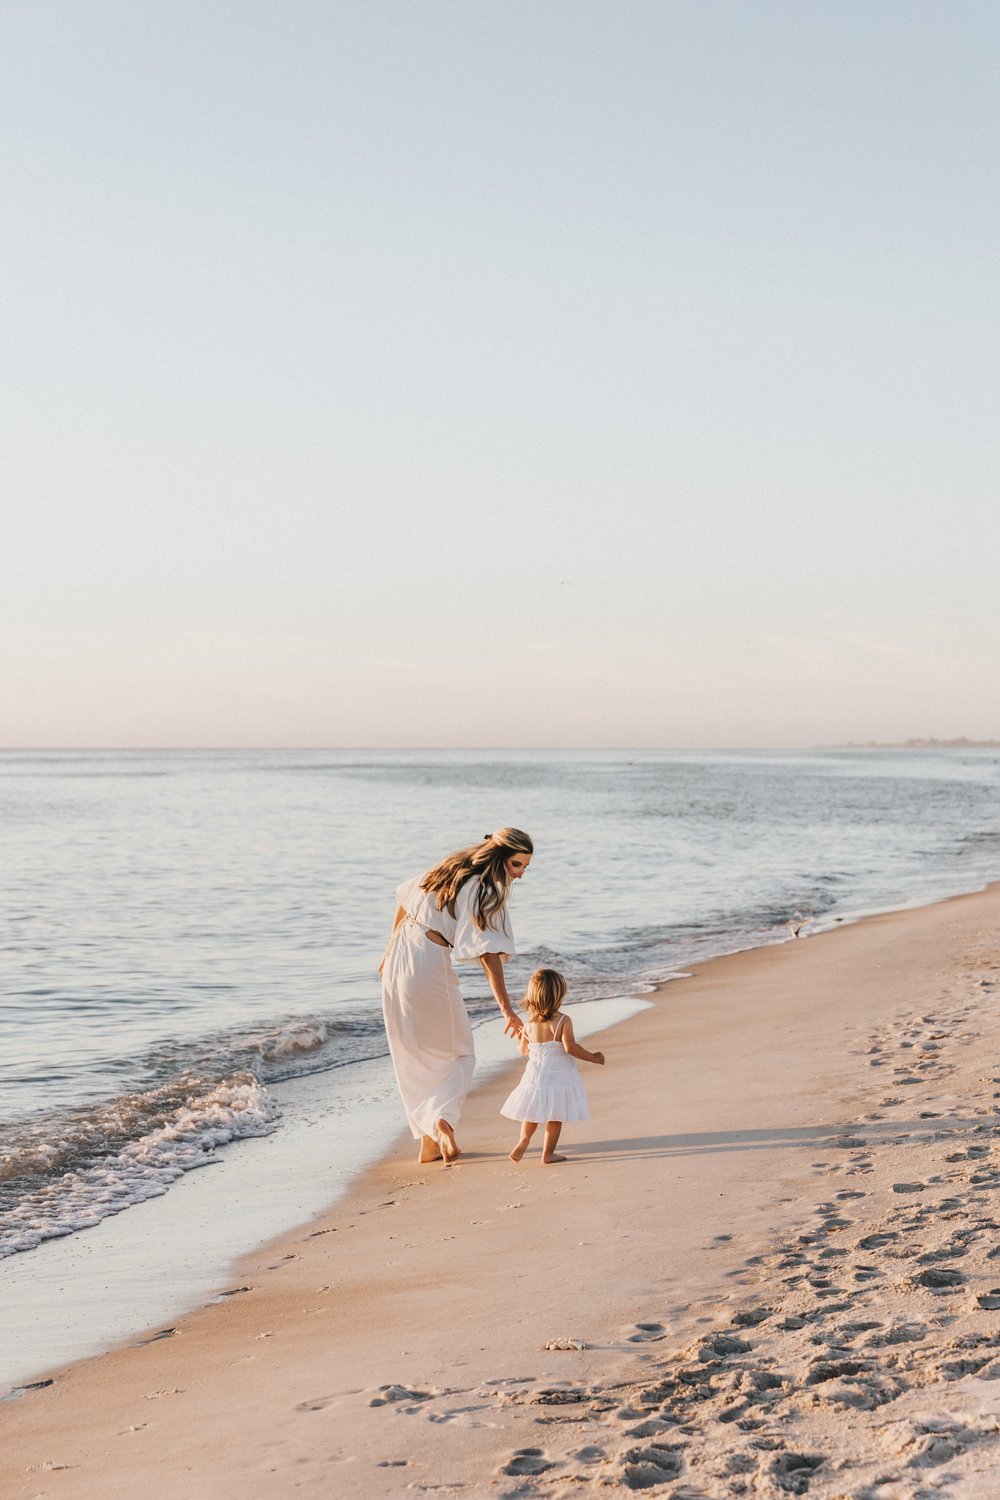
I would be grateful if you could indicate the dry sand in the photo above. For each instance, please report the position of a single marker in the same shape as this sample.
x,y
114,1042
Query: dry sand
x,y
775,1241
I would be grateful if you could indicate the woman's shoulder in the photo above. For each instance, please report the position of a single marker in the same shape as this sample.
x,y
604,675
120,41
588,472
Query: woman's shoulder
x,y
469,889
412,889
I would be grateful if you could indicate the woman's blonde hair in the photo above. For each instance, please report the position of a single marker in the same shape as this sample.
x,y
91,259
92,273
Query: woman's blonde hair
x,y
488,860
545,993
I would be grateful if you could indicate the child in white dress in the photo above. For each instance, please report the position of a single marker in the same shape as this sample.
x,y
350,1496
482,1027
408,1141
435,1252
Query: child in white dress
x,y
551,1088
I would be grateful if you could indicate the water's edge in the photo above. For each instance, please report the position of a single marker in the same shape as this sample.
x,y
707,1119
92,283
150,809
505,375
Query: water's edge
x,y
73,1298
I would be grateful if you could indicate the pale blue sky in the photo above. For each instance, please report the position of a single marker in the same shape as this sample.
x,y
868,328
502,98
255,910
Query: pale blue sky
x,y
558,373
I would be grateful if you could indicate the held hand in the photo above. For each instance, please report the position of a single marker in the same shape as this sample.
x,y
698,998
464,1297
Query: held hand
x,y
598,1058
513,1025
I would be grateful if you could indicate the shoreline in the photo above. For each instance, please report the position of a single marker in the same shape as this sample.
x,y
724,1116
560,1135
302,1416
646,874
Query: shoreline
x,y
83,1294
103,1264
397,1338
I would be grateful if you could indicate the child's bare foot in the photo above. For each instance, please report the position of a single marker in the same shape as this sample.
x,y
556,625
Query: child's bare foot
x,y
447,1141
548,1160
429,1150
519,1150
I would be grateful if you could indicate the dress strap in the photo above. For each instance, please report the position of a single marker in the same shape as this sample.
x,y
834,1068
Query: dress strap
x,y
558,1030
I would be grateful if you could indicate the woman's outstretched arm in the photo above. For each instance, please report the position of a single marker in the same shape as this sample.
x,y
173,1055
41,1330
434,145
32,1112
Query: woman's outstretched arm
x,y
493,968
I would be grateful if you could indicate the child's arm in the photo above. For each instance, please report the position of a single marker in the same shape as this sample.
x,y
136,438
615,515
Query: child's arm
x,y
522,1043
572,1046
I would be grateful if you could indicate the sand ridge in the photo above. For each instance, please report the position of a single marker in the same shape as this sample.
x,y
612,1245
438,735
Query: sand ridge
x,y
771,1267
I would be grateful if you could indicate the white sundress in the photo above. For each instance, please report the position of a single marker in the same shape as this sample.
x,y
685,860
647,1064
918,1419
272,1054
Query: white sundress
x,y
430,1039
551,1087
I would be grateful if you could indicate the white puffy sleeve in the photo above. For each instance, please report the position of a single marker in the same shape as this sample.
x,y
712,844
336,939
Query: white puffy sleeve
x,y
410,896
469,943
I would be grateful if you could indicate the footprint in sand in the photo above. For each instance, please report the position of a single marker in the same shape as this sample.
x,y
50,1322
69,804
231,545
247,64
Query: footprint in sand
x,y
899,1333
720,1346
750,1317
389,1394
557,1396
466,1416
642,1468
590,1453
793,1471
958,1369
929,1443
647,1333
846,1332
823,1370
651,1427
527,1461
315,1403
951,1251
629,1414
876,1241
940,1279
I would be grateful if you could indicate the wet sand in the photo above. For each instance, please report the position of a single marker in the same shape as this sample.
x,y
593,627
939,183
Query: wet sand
x,y
771,1263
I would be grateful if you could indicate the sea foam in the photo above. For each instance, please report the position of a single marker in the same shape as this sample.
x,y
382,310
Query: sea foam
x,y
122,1152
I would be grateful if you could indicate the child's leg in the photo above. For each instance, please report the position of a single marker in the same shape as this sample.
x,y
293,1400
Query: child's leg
x,y
552,1129
528,1128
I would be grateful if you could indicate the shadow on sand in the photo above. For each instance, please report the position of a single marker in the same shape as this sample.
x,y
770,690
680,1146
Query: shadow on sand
x,y
849,1137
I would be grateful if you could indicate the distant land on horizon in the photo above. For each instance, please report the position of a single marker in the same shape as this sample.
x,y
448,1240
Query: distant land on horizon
x,y
962,743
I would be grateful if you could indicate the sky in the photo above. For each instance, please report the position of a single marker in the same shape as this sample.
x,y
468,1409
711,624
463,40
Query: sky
x,y
427,373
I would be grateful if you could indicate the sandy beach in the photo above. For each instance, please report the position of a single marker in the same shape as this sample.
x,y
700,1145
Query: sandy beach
x,y
769,1267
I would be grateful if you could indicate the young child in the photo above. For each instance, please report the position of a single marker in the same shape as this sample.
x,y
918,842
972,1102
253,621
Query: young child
x,y
551,1088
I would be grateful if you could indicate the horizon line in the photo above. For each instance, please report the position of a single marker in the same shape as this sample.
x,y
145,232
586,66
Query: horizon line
x,y
914,742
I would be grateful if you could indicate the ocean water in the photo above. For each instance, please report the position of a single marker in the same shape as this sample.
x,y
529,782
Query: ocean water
x,y
189,937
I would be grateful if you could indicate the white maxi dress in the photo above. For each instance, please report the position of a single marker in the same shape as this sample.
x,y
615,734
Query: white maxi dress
x,y
430,1039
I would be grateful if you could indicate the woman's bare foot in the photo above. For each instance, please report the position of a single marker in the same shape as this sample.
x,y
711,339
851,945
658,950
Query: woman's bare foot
x,y
519,1150
548,1160
429,1150
447,1141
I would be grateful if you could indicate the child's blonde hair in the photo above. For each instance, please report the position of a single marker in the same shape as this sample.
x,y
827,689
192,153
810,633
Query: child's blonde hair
x,y
545,993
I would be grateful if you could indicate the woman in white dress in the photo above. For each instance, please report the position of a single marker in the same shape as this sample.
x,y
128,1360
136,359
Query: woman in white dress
x,y
455,913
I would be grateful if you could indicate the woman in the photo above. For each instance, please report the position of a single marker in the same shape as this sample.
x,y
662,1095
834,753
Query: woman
x,y
460,905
